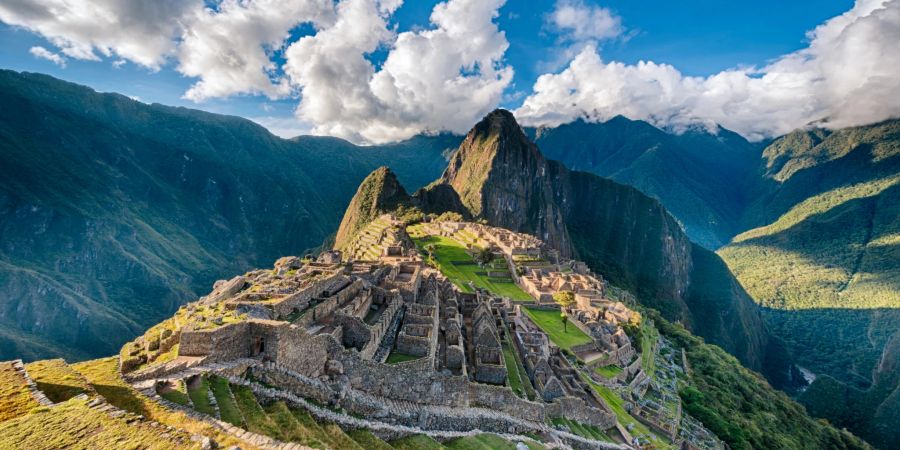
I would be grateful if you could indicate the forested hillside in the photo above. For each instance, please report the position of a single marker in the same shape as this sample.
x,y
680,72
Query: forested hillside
x,y
114,212
826,264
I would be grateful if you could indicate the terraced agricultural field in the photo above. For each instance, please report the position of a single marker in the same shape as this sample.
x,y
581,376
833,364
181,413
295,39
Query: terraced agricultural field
x,y
451,258
565,336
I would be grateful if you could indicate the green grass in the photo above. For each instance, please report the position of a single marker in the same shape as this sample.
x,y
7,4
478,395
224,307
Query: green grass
x,y
291,429
56,379
15,398
565,337
451,258
649,337
617,405
228,408
608,371
198,394
339,438
72,424
513,377
367,440
396,357
583,430
480,442
417,442
255,417
174,395
313,429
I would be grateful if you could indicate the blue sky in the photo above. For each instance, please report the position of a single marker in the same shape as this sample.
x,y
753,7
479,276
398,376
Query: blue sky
x,y
698,38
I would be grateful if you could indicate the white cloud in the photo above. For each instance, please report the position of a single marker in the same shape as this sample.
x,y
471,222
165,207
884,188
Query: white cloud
x,y
848,75
443,78
286,127
578,21
230,48
43,53
137,30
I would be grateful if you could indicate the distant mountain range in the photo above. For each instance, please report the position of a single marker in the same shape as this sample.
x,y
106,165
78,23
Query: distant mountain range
x,y
114,212
810,225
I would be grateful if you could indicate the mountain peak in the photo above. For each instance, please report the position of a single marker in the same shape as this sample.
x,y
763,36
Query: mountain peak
x,y
378,193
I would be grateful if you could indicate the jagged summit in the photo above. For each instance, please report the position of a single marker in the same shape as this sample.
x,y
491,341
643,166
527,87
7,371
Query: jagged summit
x,y
501,176
378,193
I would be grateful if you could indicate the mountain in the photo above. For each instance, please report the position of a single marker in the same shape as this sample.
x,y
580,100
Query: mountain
x,y
378,193
114,212
824,257
702,178
499,175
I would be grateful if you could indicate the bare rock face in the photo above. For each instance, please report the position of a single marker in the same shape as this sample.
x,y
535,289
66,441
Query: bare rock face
x,y
502,177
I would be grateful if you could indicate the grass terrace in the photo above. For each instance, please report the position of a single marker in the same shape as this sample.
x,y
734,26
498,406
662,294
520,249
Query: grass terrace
x,y
56,379
583,430
396,357
103,376
486,442
548,320
417,442
457,264
73,424
608,371
15,398
618,407
197,390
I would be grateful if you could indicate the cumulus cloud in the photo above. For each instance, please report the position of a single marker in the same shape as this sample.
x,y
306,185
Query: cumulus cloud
x,y
848,75
578,21
136,30
230,48
442,78
43,53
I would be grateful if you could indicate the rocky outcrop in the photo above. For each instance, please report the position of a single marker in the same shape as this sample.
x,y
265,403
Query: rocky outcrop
x,y
379,193
502,177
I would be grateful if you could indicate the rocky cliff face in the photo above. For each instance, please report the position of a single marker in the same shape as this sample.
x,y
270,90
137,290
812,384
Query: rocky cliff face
x,y
501,176
380,192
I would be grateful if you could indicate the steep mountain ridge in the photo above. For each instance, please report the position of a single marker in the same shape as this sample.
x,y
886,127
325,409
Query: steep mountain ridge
x,y
114,212
500,176
701,177
379,192
824,256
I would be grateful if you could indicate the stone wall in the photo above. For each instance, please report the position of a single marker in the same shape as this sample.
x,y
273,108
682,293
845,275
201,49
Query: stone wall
x,y
576,409
303,353
299,300
230,341
500,398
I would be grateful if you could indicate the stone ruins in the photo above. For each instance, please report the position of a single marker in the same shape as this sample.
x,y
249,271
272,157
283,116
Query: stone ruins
x,y
378,333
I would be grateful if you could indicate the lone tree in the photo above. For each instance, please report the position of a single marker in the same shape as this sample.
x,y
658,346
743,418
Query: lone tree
x,y
484,256
565,300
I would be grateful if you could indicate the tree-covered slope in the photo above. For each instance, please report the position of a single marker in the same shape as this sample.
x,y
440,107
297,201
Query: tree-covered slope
x,y
701,178
824,259
113,212
740,406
